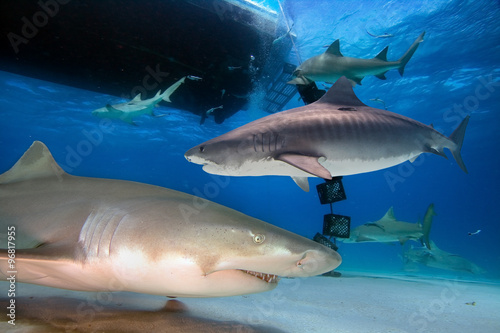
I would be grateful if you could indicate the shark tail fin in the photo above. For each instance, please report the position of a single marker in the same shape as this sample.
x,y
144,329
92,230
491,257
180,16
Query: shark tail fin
x,y
409,53
426,226
458,138
170,90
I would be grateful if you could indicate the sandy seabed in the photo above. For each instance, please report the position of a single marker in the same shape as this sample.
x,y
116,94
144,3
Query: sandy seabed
x,y
351,303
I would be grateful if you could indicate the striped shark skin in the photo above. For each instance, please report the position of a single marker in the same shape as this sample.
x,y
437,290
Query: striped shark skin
x,y
94,234
336,136
331,65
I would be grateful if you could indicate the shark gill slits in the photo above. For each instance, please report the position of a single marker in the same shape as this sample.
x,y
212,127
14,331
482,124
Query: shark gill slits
x,y
347,109
267,142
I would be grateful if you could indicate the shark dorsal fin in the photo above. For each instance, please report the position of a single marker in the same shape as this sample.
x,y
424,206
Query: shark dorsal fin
x,y
341,93
137,98
37,162
389,216
158,95
382,55
334,49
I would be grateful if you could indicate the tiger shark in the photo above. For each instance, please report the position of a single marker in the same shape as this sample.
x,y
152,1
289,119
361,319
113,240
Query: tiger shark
x,y
94,234
389,229
137,106
437,258
331,65
336,136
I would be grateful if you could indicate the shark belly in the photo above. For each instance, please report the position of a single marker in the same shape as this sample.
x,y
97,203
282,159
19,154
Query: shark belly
x,y
356,166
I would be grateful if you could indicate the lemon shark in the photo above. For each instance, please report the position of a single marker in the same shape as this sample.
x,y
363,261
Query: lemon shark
x,y
94,234
389,229
137,106
437,258
336,136
331,65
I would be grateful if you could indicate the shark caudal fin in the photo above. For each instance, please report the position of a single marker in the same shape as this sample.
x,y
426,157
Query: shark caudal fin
x,y
458,138
407,56
170,90
426,226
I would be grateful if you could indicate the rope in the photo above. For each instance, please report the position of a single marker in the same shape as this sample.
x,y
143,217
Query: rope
x,y
289,34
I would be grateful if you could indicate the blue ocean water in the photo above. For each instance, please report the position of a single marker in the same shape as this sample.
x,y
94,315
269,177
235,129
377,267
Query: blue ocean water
x,y
454,72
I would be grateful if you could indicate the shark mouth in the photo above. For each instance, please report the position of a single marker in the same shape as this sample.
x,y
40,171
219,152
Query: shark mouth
x,y
269,278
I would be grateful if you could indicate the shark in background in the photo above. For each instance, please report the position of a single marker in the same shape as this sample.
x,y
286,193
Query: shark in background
x,y
94,234
137,106
389,229
384,35
331,65
437,258
336,136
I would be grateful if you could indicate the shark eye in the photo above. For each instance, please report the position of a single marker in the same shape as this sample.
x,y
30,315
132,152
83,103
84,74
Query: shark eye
x,y
202,149
259,238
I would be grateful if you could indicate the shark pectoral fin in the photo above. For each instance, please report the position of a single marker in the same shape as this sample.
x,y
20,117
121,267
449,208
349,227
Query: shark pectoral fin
x,y
402,240
129,121
110,108
47,251
375,225
36,263
302,182
300,80
126,118
306,163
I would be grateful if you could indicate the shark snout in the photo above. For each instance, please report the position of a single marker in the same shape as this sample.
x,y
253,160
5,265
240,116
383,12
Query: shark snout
x,y
192,156
316,262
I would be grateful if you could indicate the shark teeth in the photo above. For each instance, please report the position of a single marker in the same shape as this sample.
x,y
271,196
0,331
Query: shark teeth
x,y
269,278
